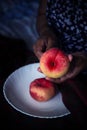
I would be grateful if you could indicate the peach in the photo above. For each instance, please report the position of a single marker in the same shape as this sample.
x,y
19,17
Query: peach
x,y
54,63
42,90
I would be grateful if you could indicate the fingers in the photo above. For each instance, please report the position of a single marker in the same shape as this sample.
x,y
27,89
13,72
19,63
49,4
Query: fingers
x,y
57,80
37,51
70,57
63,78
39,54
40,47
50,44
39,69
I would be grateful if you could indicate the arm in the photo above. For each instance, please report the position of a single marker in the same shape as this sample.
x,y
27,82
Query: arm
x,y
42,24
47,38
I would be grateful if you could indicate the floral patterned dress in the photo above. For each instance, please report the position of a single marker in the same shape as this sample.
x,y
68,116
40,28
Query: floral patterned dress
x,y
69,19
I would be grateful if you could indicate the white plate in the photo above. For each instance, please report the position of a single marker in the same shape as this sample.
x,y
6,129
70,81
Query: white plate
x,y
16,93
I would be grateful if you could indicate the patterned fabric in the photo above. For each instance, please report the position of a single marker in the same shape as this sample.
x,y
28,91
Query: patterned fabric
x,y
69,18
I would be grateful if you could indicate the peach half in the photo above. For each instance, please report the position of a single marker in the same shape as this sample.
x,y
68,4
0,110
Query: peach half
x,y
42,90
54,63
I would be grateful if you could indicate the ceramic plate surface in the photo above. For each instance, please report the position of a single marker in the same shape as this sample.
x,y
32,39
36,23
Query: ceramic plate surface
x,y
16,93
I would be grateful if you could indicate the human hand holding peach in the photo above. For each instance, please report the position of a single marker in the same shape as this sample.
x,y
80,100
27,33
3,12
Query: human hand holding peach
x,y
78,63
43,44
54,63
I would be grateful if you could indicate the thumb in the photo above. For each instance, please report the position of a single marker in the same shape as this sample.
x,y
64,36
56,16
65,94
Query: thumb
x,y
39,69
39,54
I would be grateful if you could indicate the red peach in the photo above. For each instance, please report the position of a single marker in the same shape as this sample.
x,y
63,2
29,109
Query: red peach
x,y
54,63
42,90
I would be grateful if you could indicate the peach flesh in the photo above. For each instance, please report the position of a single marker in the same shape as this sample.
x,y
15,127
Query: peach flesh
x,y
42,89
54,63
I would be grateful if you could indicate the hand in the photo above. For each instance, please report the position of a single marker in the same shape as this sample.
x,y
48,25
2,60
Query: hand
x,y
78,62
44,43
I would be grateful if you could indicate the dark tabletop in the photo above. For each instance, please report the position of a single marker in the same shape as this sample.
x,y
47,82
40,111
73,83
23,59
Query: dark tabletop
x,y
14,54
